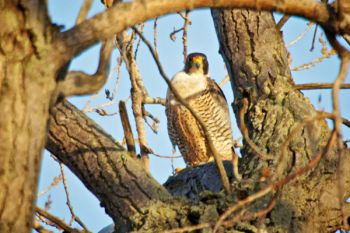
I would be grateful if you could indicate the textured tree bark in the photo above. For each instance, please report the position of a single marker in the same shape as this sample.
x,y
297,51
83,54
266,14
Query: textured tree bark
x,y
256,58
117,179
25,69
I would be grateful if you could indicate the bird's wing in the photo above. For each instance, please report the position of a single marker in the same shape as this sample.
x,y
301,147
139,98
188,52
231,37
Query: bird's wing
x,y
170,114
217,92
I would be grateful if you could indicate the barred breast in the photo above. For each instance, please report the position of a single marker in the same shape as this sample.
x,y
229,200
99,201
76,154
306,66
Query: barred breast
x,y
186,133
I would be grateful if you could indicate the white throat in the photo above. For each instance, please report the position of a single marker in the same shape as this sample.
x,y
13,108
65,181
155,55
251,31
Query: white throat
x,y
189,84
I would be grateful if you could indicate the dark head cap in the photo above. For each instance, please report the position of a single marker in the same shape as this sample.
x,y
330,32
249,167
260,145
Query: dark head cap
x,y
196,62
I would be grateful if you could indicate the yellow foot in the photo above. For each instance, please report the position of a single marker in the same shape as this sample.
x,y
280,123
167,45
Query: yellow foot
x,y
211,159
178,170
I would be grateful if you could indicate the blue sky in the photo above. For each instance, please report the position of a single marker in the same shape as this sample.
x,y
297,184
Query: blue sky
x,y
201,38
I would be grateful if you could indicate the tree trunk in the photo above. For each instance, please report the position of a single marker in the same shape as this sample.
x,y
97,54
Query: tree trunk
x,y
27,81
256,57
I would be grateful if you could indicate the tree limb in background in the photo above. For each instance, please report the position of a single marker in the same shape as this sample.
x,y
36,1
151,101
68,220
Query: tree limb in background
x,y
80,83
72,42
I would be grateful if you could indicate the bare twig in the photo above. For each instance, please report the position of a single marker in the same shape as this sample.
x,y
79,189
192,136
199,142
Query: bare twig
x,y
173,33
224,81
315,61
84,10
39,228
56,221
89,102
282,21
165,156
347,38
155,35
150,100
129,137
155,120
184,35
101,106
313,39
54,182
142,26
218,160
312,86
301,35
70,207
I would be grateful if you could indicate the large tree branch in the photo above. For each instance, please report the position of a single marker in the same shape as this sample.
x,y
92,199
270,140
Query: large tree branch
x,y
107,170
123,15
80,83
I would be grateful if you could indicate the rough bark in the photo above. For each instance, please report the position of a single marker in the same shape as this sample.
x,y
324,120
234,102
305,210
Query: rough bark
x,y
25,69
256,58
117,179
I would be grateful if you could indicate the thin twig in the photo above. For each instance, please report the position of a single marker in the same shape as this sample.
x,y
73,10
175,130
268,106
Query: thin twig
x,y
151,100
155,120
39,228
225,80
218,160
54,182
172,35
93,109
155,35
314,62
282,21
184,35
84,10
55,220
313,86
165,156
138,41
301,35
70,207
313,39
117,81
89,102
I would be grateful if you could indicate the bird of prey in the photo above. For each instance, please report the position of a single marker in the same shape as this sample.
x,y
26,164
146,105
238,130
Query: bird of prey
x,y
207,100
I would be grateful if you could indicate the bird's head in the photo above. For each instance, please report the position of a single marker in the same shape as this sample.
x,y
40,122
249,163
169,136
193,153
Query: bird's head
x,y
196,63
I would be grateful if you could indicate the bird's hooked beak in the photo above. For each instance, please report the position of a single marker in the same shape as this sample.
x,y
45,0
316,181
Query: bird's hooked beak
x,y
197,62
197,65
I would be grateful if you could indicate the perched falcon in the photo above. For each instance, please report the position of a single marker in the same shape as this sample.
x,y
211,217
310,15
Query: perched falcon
x,y
208,101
